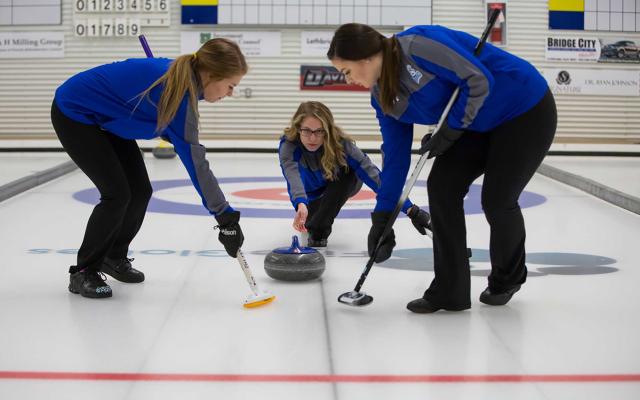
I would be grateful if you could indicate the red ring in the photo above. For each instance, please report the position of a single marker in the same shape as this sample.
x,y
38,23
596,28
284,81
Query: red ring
x,y
281,194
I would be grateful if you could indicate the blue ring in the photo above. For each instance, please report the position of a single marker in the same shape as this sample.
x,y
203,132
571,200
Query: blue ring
x,y
471,203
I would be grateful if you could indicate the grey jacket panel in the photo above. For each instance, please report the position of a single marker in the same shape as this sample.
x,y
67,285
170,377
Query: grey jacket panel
x,y
412,79
353,151
212,195
445,57
290,170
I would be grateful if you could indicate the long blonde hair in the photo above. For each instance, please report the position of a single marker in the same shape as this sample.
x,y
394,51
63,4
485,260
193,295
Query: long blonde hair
x,y
220,58
334,156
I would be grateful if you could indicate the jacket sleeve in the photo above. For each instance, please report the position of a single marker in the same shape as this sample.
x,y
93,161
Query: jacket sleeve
x,y
183,134
397,137
291,172
445,57
366,169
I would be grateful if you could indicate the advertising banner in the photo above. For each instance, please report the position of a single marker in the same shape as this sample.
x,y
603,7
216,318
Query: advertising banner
x,y
252,44
31,44
577,48
315,43
598,82
591,49
325,77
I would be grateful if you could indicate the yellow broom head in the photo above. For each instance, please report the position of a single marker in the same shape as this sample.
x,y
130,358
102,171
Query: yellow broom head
x,y
259,300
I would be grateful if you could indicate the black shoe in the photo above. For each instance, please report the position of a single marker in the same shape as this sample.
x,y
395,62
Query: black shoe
x,y
424,306
89,284
494,298
122,270
316,242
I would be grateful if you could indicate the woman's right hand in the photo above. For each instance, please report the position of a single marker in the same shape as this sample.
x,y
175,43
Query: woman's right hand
x,y
301,218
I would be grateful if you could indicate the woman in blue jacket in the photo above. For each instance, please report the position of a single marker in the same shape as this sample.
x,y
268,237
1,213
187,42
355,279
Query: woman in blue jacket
x,y
99,113
501,125
323,167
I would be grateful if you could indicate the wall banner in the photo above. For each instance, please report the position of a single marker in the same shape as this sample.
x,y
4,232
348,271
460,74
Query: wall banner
x,y
572,49
315,43
591,49
593,82
252,43
324,77
31,44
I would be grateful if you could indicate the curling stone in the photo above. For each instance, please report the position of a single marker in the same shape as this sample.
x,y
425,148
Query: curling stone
x,y
294,263
164,150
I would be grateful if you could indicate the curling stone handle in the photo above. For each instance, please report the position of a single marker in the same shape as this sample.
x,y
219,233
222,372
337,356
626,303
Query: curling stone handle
x,y
295,245
247,272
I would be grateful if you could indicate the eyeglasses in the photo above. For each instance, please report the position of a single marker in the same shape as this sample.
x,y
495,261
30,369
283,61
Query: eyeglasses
x,y
306,132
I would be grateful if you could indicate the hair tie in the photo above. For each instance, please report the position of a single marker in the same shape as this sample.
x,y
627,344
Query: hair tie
x,y
195,55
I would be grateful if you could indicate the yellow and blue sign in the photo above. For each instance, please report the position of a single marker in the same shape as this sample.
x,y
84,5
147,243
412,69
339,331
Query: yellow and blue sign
x,y
566,14
199,11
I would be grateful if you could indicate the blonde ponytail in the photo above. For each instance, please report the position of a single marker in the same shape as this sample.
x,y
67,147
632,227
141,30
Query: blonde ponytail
x,y
218,58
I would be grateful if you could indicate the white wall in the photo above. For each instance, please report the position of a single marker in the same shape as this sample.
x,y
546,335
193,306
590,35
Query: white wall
x,y
581,116
27,86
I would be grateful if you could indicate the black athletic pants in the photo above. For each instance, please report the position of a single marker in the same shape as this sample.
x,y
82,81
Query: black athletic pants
x,y
115,165
323,210
508,156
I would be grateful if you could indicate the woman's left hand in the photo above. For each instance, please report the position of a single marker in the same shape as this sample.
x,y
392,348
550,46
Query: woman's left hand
x,y
301,218
440,141
420,219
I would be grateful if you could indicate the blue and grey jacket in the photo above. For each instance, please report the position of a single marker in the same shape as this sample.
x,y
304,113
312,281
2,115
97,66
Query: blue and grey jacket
x,y
302,169
495,87
108,96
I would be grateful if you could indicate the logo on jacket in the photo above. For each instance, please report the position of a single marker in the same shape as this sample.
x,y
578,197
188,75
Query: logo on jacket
x,y
415,75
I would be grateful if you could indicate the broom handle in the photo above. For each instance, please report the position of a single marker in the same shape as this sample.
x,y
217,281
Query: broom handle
x,y
247,272
145,46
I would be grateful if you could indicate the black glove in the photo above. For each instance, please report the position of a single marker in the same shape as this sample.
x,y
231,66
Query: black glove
x,y
379,220
419,218
439,142
230,235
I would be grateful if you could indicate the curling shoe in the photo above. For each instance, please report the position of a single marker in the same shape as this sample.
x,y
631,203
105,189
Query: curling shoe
x,y
318,237
316,242
89,284
122,270
424,306
495,298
